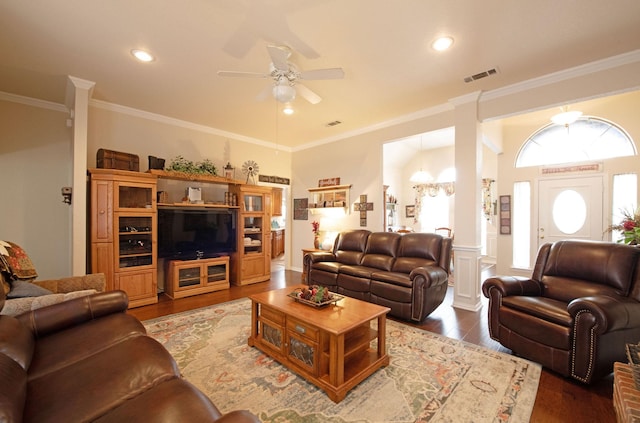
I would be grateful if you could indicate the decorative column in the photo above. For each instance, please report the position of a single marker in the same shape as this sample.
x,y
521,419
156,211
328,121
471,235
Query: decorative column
x,y
467,243
77,100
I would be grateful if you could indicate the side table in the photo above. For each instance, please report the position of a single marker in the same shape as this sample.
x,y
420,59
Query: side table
x,y
304,268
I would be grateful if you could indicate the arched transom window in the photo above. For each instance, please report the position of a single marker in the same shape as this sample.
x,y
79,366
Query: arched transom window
x,y
587,139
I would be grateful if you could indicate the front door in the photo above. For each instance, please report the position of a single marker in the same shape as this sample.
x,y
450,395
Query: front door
x,y
570,208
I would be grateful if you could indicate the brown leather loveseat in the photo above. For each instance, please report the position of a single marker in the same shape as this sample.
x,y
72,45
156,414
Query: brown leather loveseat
x,y
406,272
575,313
87,360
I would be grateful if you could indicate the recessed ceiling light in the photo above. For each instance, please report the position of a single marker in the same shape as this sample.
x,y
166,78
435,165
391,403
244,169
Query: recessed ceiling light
x,y
142,55
442,43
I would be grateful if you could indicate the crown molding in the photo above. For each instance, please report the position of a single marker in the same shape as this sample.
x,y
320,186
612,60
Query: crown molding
x,y
431,111
130,111
564,75
34,102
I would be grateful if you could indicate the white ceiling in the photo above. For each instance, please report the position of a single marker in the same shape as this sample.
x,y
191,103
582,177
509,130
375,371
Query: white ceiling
x,y
383,47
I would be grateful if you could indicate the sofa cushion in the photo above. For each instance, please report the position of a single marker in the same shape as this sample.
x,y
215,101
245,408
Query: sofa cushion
x,y
391,292
407,264
602,263
92,387
381,250
16,306
21,289
394,278
164,403
350,245
75,344
566,289
539,331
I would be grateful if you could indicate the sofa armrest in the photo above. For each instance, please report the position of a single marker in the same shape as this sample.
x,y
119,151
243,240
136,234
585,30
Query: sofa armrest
x,y
75,283
57,317
432,275
511,285
317,256
238,416
610,313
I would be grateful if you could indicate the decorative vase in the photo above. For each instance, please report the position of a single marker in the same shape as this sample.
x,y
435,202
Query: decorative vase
x,y
316,242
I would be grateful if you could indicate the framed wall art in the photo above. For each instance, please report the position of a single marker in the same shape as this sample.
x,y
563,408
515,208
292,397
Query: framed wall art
x,y
410,211
505,215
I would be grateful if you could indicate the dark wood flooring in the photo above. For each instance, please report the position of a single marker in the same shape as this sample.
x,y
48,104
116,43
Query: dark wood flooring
x,y
558,400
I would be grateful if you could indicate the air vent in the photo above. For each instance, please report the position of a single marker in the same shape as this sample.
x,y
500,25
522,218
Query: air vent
x,y
334,123
481,75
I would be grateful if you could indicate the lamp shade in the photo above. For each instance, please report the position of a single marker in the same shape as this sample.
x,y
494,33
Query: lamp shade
x,y
566,118
284,92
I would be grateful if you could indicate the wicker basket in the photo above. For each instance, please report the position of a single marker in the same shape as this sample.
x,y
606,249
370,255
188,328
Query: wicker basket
x,y
633,354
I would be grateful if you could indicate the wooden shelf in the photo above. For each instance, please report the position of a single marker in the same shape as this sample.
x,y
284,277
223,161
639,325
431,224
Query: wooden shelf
x,y
205,205
182,176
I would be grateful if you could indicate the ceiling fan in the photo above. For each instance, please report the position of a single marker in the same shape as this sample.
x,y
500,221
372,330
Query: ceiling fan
x,y
285,76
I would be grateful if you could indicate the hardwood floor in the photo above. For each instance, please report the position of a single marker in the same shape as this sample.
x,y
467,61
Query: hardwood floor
x,y
558,400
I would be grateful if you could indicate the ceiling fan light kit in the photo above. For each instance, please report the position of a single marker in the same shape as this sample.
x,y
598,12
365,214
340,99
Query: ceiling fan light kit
x,y
284,92
566,117
286,76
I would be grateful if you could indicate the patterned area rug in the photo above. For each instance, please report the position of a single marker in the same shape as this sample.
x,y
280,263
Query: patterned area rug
x,y
431,378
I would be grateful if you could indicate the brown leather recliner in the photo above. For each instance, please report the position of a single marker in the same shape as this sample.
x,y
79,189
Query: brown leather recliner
x,y
576,312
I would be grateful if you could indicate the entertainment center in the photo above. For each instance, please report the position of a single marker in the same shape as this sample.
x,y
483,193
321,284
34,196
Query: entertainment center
x,y
145,228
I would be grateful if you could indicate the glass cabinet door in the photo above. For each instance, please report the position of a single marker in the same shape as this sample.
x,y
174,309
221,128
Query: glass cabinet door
x,y
189,276
135,241
131,196
252,234
253,203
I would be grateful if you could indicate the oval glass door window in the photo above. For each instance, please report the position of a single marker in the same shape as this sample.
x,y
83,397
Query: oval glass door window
x,y
569,212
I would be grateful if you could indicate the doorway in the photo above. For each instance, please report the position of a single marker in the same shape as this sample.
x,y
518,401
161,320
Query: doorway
x,y
570,208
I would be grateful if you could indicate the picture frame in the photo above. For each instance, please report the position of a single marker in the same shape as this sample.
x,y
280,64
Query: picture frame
x,y
410,211
505,215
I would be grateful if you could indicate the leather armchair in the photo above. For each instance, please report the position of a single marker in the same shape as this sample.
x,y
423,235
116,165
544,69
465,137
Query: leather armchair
x,y
575,313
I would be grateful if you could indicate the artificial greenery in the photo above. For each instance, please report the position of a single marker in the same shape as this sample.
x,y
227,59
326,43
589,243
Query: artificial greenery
x,y
205,167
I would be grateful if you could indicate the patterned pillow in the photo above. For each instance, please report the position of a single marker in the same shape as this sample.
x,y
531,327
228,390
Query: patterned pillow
x,y
21,289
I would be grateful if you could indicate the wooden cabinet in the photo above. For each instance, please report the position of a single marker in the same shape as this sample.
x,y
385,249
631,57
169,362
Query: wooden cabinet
x,y
123,232
277,243
251,262
193,277
276,202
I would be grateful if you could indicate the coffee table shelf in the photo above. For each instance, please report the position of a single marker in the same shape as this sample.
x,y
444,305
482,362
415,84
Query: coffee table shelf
x,y
330,347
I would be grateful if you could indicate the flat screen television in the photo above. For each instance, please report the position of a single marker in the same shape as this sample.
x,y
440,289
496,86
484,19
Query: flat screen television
x,y
191,233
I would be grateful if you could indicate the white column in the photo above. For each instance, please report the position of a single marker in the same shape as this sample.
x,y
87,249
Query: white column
x,y
78,96
468,211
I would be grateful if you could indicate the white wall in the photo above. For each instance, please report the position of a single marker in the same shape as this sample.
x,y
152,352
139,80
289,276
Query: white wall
x,y
620,109
35,163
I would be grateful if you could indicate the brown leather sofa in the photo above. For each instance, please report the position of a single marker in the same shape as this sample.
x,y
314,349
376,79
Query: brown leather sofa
x,y
406,272
87,360
575,313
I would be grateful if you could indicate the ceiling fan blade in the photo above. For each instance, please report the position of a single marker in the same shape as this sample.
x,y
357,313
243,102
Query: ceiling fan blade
x,y
330,73
243,74
308,95
279,56
265,93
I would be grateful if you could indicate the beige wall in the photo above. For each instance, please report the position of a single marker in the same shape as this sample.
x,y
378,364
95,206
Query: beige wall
x,y
35,163
35,142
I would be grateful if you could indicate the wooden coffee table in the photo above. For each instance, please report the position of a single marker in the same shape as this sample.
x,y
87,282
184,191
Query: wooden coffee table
x,y
328,346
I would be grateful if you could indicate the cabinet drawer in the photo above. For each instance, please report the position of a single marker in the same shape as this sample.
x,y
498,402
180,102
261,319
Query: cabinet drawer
x,y
302,329
272,315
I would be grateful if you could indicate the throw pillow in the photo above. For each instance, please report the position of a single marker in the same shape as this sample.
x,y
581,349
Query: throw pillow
x,y
21,289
